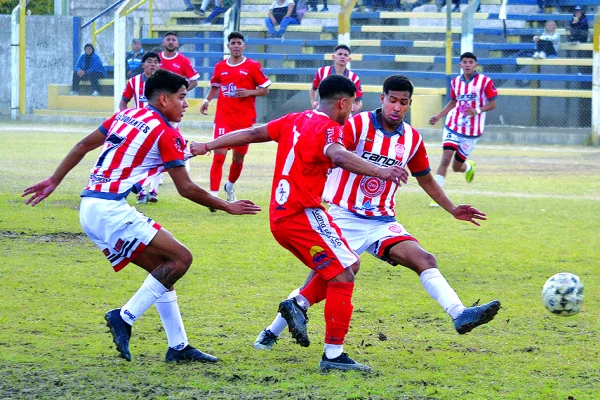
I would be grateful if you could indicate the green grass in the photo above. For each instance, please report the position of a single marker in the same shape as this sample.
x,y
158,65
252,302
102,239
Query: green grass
x,y
543,207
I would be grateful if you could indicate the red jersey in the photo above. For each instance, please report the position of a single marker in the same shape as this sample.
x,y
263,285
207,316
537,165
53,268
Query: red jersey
x,y
473,94
367,195
324,72
135,90
237,112
301,165
140,143
179,64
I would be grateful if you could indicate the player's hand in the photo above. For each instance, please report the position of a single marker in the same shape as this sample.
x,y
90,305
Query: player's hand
x,y
198,148
354,107
39,191
204,108
433,120
395,173
242,93
81,73
465,212
241,207
315,104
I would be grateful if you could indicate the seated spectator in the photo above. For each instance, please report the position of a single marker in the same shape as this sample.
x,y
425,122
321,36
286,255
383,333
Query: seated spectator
x,y
282,13
578,27
88,67
313,5
441,3
218,10
133,65
204,6
547,43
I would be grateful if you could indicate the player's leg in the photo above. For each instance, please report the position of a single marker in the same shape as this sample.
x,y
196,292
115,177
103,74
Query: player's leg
x,y
235,170
153,187
460,163
449,145
75,84
216,168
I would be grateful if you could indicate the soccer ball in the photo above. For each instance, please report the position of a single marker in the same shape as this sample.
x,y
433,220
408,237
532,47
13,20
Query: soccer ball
x,y
563,294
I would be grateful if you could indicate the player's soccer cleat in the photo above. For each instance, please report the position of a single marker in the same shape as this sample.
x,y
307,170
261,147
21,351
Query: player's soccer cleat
x,y
121,332
472,317
265,340
189,353
230,193
142,198
153,197
296,319
433,204
471,174
342,362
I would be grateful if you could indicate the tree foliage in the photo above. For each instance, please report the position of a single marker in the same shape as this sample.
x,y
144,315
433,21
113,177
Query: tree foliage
x,y
36,7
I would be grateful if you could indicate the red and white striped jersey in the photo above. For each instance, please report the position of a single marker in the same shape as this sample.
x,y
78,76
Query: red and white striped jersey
x,y
135,90
324,72
367,195
140,143
469,95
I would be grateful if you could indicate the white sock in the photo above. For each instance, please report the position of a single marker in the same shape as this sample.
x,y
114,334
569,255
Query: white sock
x,y
279,323
440,180
146,295
228,186
333,350
187,166
439,289
468,167
167,308
215,193
154,182
302,301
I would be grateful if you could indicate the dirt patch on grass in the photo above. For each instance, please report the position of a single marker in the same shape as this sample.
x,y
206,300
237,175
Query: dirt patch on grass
x,y
56,237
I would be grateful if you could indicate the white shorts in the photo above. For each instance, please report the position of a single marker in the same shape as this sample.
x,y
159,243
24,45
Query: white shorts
x,y
463,145
118,229
372,235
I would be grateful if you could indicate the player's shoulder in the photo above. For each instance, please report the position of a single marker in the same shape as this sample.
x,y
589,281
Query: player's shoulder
x,y
253,63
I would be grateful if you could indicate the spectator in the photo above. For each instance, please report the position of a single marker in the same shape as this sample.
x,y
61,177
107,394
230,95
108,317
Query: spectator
x,y
88,67
204,6
313,5
578,27
282,13
547,43
218,10
441,3
134,59
544,4
190,7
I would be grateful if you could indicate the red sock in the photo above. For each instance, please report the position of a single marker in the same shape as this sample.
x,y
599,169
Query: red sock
x,y
338,311
235,170
216,172
315,291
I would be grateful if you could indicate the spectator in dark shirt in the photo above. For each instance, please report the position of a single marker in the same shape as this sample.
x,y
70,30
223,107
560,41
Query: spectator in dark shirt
x,y
578,27
133,65
282,13
88,67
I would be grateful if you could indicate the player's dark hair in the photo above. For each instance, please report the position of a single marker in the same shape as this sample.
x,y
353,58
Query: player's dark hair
x,y
171,33
163,81
235,35
398,83
89,45
150,54
335,86
468,54
343,47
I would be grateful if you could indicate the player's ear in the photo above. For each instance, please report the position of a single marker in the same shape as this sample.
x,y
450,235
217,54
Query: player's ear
x,y
382,97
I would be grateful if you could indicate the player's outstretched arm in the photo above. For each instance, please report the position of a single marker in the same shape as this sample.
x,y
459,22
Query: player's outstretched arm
x,y
451,104
43,189
236,138
188,189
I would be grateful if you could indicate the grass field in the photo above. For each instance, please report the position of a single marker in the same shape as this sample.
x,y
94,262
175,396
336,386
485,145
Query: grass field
x,y
543,205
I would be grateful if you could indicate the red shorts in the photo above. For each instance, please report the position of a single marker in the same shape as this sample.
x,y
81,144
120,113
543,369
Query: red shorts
x,y
316,241
221,129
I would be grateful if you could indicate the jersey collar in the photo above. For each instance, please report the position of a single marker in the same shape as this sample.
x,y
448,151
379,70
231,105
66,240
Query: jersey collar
x,y
377,125
160,115
462,77
236,65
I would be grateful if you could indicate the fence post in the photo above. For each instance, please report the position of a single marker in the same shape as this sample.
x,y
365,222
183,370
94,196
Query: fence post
x,y
468,21
120,49
595,137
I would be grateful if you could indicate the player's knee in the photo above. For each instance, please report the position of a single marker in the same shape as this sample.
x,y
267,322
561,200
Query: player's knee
x,y
184,260
219,159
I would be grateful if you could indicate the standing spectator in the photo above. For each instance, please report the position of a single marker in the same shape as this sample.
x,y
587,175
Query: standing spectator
x,y
88,67
309,144
134,59
282,13
136,144
174,61
237,81
547,43
341,58
472,95
578,27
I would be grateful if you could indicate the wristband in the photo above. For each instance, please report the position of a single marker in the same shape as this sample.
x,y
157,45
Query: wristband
x,y
206,101
478,110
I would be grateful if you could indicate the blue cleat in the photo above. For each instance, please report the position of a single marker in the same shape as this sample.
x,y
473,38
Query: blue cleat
x,y
472,317
121,332
189,354
296,319
265,340
342,362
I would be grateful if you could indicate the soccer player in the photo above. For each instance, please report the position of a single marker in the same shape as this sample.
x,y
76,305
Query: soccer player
x,y
472,96
363,207
237,81
341,58
138,143
172,60
134,90
309,144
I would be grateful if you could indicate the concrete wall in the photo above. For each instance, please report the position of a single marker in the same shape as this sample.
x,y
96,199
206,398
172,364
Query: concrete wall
x,y
5,64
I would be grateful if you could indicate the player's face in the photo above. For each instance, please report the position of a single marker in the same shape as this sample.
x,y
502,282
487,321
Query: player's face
x,y
468,65
394,107
236,47
170,43
151,65
174,105
341,57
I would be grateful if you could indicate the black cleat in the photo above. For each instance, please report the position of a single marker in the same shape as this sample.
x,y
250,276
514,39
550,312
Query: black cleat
x,y
342,362
296,319
121,332
189,354
472,317
265,340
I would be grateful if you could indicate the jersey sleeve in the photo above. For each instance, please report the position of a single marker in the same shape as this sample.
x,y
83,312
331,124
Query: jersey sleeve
x,y
105,127
419,162
490,90
128,92
276,126
190,72
452,90
258,76
216,78
316,80
333,134
359,93
172,146
350,130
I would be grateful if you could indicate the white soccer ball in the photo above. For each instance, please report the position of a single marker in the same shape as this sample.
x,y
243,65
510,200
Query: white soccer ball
x,y
563,294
